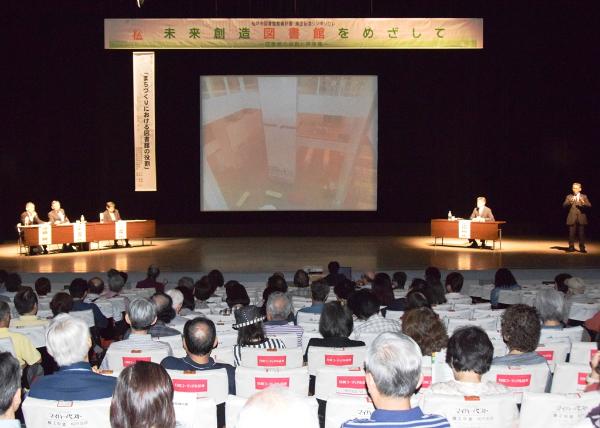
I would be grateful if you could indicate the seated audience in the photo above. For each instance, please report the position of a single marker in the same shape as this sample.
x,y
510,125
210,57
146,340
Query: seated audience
x,y
165,314
365,306
319,291
279,310
433,273
276,407
249,324
393,374
185,282
559,282
550,305
143,398
425,327
520,328
189,303
10,384
335,325
415,299
79,291
116,283
12,284
382,288
199,339
575,294
435,291
150,280
203,290
503,280
343,290
61,303
301,284
141,315
334,276
216,279
177,299
42,286
26,304
399,280
95,289
277,282
454,283
236,295
469,355
68,341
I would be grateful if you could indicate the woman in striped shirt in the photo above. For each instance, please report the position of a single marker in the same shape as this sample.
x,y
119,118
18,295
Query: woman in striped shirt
x,y
249,324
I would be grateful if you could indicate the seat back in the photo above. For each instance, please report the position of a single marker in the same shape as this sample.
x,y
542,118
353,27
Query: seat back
x,y
6,345
485,323
75,414
461,313
235,404
195,413
227,339
223,354
490,411
574,334
289,340
35,333
367,338
319,357
555,410
500,347
248,381
343,408
569,378
190,385
554,352
87,316
271,358
306,336
519,379
580,311
307,317
460,301
339,381
582,352
119,359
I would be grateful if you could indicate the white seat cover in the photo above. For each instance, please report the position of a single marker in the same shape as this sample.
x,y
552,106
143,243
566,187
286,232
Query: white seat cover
x,y
118,359
555,410
341,381
583,311
87,316
272,358
485,323
582,352
35,333
394,315
248,381
343,408
6,345
290,340
306,336
75,414
201,384
176,344
227,339
574,334
569,378
234,405
223,354
319,357
195,413
462,313
307,317
554,352
518,379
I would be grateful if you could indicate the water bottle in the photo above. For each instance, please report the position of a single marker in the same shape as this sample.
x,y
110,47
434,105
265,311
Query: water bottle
x,y
449,215
82,219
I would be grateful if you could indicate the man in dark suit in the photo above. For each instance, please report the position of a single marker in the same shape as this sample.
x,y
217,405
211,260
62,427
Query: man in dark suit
x,y
111,214
578,204
58,216
30,217
481,211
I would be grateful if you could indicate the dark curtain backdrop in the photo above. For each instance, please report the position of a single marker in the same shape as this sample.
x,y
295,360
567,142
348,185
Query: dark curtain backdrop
x,y
517,121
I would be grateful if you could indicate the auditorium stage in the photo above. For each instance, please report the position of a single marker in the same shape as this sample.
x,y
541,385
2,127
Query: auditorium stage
x,y
268,254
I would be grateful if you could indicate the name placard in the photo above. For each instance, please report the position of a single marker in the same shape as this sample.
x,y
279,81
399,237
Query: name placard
x,y
464,229
79,232
120,229
45,234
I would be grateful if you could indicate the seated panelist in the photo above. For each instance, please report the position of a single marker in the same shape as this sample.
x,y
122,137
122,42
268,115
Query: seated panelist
x,y
110,215
481,213
58,216
30,217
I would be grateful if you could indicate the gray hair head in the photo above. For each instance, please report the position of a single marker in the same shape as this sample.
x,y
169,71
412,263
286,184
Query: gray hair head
x,y
116,283
142,313
176,297
394,362
279,306
550,304
68,339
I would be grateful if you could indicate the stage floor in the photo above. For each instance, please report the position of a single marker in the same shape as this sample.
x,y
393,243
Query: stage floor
x,y
268,254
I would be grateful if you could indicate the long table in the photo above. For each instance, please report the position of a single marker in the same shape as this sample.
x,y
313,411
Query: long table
x,y
466,229
94,232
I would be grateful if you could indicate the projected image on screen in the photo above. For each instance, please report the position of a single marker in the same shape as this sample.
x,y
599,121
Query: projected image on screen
x,y
292,143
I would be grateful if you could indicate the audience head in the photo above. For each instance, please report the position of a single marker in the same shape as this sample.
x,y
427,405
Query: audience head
x,y
68,340
363,304
141,314
426,328
416,299
550,305
470,350
61,303
95,285
336,320
13,282
275,407
319,290
4,314
559,281
215,278
176,299
164,307
42,286
433,273
575,285
10,385
417,284
203,289
185,281
279,306
277,283
199,336
521,328
249,324
116,283
393,367
78,288
344,289
333,267
143,397
153,272
399,278
188,297
26,301
454,282
382,288
301,279
436,293
236,294
504,278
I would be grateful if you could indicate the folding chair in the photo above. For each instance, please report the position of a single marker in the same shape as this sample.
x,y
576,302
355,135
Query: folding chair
x,y
248,381
340,381
119,359
582,352
285,358
518,379
554,352
319,357
344,408
555,410
75,414
569,378
490,411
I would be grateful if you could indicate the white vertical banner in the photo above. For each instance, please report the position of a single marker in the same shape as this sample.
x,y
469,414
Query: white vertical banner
x,y
120,229
144,135
464,229
45,234
79,232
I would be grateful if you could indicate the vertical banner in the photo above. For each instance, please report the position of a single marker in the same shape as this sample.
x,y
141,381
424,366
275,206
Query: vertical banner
x,y
464,229
121,229
79,232
45,234
143,122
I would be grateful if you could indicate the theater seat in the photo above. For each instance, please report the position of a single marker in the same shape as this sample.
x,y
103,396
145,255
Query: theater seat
x,y
287,358
530,378
248,381
555,410
234,405
66,414
569,378
340,381
319,357
118,359
343,408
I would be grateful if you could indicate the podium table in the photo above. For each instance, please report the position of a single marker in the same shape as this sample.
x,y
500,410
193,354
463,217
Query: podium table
x,y
94,232
467,229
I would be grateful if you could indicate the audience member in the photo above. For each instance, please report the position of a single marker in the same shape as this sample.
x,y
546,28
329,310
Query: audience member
x,y
216,279
334,276
189,303
186,282
79,291
116,283
365,306
143,398
277,282
435,291
319,291
3,275
279,309
150,280
276,407
399,280
550,305
12,283
203,290
251,334
453,284
95,289
469,355
68,341
61,303
416,299
393,374
42,286
503,280
301,284
10,385
382,288
236,295
559,282
434,273
26,304
177,303
165,314
425,327
141,315
344,289
575,294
